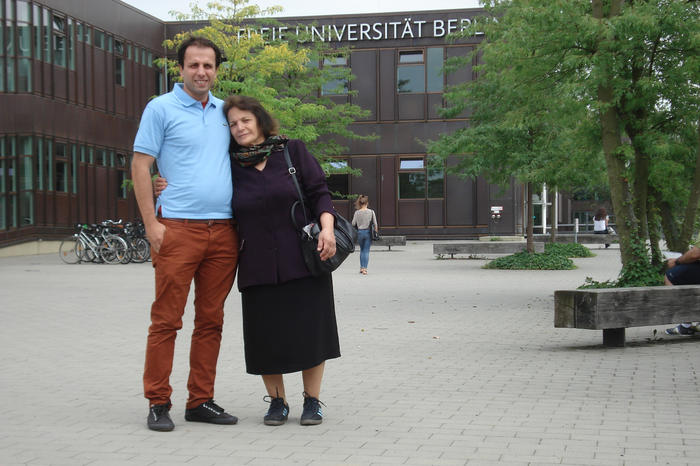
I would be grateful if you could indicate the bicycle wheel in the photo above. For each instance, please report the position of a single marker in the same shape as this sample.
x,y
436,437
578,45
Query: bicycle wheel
x,y
85,254
113,249
140,250
128,256
68,250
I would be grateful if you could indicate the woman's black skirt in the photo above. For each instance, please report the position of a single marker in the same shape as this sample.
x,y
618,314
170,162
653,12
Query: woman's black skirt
x,y
289,327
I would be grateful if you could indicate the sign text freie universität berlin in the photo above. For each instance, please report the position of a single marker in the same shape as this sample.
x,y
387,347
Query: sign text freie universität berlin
x,y
406,29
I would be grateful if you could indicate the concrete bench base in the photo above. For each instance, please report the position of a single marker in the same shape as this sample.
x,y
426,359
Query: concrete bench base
x,y
582,238
483,248
390,241
614,309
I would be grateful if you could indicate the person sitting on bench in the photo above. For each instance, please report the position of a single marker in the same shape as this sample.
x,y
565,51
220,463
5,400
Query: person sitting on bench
x,y
684,270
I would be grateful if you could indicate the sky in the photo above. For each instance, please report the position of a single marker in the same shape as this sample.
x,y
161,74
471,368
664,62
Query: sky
x,y
160,8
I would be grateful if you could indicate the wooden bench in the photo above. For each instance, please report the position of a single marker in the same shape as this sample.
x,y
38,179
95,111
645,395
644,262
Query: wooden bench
x,y
483,247
390,241
582,238
614,309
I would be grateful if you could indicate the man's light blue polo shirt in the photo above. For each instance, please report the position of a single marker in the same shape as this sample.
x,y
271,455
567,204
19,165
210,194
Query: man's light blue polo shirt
x,y
190,145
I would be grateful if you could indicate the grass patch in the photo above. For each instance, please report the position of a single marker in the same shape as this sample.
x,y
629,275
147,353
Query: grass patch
x,y
532,261
568,249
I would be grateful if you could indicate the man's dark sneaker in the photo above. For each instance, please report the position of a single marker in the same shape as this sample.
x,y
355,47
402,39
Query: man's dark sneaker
x,y
278,412
209,412
159,418
312,413
681,330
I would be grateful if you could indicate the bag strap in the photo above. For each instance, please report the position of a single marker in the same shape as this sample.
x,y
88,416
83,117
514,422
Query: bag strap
x,y
292,172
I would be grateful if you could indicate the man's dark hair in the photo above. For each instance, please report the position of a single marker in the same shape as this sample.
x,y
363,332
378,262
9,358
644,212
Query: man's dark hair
x,y
198,41
266,123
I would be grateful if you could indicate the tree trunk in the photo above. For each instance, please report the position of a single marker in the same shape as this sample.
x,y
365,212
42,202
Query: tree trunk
x,y
626,221
530,227
668,224
640,185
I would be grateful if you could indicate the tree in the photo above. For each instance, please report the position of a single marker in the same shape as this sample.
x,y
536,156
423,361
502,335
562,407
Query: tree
x,y
285,75
628,71
521,129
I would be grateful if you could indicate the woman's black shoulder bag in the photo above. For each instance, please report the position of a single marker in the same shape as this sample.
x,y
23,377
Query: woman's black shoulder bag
x,y
345,234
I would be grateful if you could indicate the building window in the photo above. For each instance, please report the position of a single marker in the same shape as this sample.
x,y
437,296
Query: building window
x,y
71,45
36,20
74,167
119,72
410,73
100,157
159,82
10,81
24,75
61,179
100,40
25,147
3,184
40,164
416,181
119,66
24,29
2,75
59,40
338,85
339,184
122,167
417,74
9,183
46,29
26,181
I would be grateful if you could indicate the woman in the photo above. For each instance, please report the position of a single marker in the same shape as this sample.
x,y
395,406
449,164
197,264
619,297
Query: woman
x,y
600,223
365,220
289,320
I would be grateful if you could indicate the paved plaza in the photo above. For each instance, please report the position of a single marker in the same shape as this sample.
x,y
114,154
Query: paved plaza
x,y
443,363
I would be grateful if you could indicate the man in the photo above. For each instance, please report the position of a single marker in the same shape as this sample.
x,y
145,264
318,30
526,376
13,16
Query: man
x,y
190,229
684,270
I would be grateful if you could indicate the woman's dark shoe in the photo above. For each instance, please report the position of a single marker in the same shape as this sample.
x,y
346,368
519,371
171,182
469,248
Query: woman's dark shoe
x,y
312,414
278,412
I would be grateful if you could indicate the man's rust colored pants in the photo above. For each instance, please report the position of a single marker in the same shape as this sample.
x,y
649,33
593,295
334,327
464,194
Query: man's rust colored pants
x,y
207,254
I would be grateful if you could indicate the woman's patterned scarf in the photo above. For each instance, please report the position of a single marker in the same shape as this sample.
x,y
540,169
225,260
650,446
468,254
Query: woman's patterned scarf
x,y
253,155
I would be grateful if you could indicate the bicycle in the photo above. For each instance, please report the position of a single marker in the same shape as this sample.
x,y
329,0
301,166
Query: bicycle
x,y
94,243
135,236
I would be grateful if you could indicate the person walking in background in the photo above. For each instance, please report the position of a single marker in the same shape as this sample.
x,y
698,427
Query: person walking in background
x,y
365,220
191,231
600,223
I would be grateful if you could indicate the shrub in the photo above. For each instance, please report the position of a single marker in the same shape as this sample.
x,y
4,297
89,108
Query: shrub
x,y
568,249
532,261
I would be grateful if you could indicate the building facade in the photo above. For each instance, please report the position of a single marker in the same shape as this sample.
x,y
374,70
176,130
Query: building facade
x,y
75,76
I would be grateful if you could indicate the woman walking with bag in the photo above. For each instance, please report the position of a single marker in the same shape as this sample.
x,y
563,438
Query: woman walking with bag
x,y
366,222
289,322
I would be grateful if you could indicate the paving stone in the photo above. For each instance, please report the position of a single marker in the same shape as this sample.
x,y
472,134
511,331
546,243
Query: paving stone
x,y
444,363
